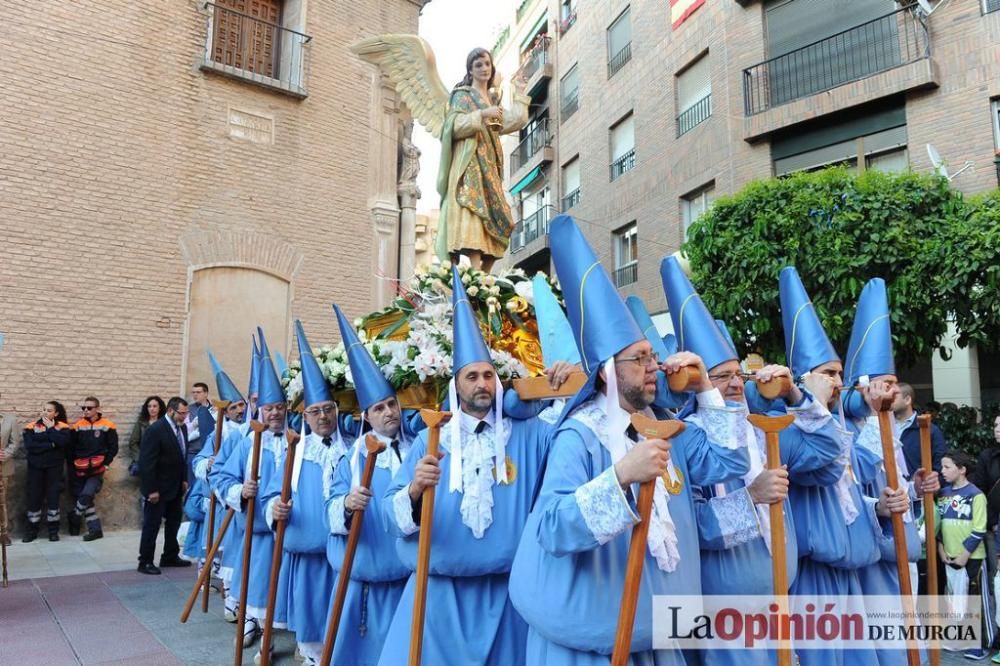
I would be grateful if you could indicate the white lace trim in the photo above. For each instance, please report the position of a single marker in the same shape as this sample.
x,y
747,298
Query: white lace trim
x,y
552,413
604,507
478,460
402,510
200,469
206,504
335,515
811,415
843,486
234,497
737,517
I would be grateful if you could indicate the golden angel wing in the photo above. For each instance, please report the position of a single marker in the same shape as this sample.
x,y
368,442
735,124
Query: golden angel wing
x,y
409,63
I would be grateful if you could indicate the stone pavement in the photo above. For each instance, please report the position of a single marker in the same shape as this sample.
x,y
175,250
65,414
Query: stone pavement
x,y
72,603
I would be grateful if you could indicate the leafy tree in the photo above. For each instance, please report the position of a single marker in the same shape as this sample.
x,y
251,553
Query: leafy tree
x,y
839,230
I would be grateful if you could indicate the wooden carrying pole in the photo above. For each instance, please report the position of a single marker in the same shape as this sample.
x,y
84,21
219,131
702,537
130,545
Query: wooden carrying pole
x,y
930,516
538,388
292,438
374,447
776,387
220,416
241,613
898,532
203,577
434,420
651,429
771,426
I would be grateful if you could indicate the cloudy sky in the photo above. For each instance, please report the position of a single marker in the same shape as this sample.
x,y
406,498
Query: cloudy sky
x,y
453,28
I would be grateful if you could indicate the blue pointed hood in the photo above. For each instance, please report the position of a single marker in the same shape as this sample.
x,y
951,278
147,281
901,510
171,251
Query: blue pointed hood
x,y
670,343
727,335
694,326
806,343
554,331
227,389
270,391
281,364
253,386
602,325
870,351
468,345
645,322
314,386
370,384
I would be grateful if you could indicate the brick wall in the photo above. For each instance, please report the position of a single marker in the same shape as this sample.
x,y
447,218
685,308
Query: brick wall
x,y
115,146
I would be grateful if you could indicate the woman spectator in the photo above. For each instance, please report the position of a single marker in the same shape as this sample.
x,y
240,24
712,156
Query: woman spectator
x,y
152,409
46,441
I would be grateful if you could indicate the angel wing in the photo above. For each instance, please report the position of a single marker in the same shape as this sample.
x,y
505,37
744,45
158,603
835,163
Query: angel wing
x,y
409,63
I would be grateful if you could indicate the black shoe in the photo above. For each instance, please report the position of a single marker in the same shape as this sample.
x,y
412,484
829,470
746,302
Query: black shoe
x,y
174,562
148,568
93,536
75,523
31,534
53,531
53,536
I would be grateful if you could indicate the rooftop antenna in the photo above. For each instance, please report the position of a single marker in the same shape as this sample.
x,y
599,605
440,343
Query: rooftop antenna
x,y
940,166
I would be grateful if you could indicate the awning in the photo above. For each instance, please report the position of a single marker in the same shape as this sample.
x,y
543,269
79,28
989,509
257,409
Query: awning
x,y
530,35
527,180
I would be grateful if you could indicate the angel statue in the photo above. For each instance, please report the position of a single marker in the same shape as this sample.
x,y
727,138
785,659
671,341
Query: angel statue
x,y
475,218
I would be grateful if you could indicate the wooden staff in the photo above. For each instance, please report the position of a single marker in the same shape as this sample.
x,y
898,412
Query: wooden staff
x,y
292,438
929,518
220,413
241,613
898,533
205,573
776,387
374,446
653,429
433,419
538,388
771,426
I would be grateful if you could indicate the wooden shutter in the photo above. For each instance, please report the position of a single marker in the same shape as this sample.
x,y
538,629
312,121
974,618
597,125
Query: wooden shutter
x,y
247,36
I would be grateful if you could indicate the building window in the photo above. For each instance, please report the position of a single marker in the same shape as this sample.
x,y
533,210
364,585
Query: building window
x,y
567,15
990,6
623,147
619,42
995,107
252,40
626,242
536,212
873,135
896,160
569,92
695,204
694,95
571,183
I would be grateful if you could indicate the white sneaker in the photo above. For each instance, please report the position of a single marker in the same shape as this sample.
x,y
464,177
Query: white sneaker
x,y
229,614
256,657
250,632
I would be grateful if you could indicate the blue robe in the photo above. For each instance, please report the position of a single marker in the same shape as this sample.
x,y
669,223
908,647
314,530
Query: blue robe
x,y
378,576
232,541
235,470
735,557
196,509
305,578
567,579
469,617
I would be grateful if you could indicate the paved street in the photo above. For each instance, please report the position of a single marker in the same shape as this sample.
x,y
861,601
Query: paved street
x,y
104,612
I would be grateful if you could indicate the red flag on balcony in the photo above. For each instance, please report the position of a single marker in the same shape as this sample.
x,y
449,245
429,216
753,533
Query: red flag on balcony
x,y
681,9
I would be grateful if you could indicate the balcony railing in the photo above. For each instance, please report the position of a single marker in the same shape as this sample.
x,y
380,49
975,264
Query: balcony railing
x,y
535,58
623,164
250,48
694,115
530,228
889,41
627,274
537,138
619,59
570,104
568,22
571,199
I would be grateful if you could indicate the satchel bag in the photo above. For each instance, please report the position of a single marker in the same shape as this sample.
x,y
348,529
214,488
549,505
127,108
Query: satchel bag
x,y
91,466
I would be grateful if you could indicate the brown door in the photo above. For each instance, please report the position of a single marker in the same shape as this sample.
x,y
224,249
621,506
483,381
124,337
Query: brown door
x,y
247,35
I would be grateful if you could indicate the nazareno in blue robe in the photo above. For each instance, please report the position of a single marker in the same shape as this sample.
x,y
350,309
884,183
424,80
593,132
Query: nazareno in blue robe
x,y
567,578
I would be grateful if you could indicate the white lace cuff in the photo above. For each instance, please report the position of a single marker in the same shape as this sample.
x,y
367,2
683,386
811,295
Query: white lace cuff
x,y
810,416
335,515
710,398
200,469
269,512
234,497
870,438
402,511
206,504
737,518
604,507
726,426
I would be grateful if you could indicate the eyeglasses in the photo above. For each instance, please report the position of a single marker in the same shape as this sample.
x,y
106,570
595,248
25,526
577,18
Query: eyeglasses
x,y
728,377
325,411
642,360
87,408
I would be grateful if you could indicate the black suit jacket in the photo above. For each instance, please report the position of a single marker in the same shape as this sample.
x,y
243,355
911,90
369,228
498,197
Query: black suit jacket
x,y
162,467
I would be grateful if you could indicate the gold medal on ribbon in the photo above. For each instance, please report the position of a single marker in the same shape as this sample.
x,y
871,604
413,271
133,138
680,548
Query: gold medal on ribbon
x,y
511,472
673,488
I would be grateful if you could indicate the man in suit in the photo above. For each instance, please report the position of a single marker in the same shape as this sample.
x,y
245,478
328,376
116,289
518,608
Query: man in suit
x,y
163,482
